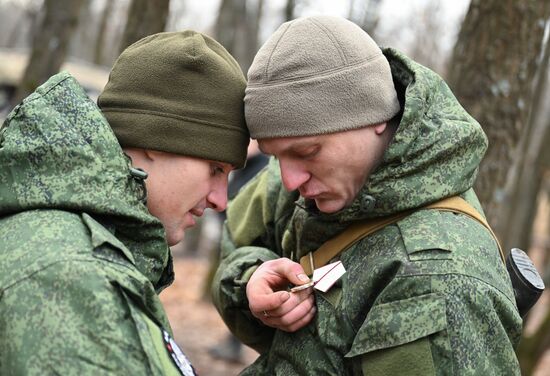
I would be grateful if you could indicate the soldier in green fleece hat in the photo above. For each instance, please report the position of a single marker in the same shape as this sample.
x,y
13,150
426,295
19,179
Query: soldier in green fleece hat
x,y
364,138
91,198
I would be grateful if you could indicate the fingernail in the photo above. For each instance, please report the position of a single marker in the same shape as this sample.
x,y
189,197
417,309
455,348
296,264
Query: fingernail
x,y
284,296
303,277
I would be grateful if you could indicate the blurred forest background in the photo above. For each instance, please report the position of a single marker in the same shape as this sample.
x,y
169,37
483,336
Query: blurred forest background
x,y
494,54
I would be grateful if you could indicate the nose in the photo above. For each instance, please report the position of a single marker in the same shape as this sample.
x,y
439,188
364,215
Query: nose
x,y
217,198
292,175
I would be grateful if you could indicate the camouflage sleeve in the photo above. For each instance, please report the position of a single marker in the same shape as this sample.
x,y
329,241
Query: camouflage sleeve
x,y
68,318
229,293
248,239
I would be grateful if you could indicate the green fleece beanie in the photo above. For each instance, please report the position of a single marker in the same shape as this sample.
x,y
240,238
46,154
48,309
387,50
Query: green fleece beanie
x,y
315,76
178,92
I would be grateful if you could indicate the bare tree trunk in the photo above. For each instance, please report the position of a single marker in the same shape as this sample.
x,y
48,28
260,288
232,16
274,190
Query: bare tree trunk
x,y
536,338
526,174
426,48
99,43
290,10
50,44
532,348
237,29
36,18
81,45
232,13
26,24
492,69
145,17
252,44
178,9
115,31
366,14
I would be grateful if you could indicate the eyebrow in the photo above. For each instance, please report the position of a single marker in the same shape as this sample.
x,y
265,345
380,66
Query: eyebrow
x,y
224,165
294,147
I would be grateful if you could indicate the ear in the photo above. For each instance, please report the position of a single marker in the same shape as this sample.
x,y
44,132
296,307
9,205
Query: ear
x,y
140,157
380,128
151,155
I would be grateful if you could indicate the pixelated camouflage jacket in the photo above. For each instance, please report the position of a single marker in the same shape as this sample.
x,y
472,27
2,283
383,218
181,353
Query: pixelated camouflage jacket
x,y
81,258
427,295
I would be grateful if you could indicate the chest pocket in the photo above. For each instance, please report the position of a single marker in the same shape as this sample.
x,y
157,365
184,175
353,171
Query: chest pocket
x,y
425,236
398,337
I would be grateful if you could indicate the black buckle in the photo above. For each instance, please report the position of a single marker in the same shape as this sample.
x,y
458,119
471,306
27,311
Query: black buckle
x,y
139,176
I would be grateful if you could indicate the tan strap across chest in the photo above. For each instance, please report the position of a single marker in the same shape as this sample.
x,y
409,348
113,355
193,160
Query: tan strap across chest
x,y
336,245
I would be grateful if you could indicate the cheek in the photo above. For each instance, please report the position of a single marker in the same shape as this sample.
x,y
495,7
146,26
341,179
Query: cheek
x,y
169,199
197,191
157,207
344,179
202,191
327,173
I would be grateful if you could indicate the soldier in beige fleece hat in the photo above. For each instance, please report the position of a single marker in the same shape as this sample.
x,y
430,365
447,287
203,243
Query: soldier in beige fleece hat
x,y
361,137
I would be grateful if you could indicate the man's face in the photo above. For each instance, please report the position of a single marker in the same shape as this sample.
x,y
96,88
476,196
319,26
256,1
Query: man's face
x,y
179,188
330,169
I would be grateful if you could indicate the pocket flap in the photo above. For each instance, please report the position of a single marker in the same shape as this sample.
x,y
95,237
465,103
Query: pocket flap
x,y
100,235
143,296
425,235
403,321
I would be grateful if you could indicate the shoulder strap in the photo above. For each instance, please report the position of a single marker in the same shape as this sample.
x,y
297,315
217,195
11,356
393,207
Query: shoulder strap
x,y
357,231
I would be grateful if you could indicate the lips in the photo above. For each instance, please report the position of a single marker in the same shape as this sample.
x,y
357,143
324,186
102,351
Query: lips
x,y
191,214
197,212
310,195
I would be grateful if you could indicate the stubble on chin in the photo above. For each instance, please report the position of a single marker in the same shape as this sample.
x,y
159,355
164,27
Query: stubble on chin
x,y
174,235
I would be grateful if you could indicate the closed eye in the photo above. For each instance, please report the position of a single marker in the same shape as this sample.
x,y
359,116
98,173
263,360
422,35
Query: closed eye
x,y
216,170
308,152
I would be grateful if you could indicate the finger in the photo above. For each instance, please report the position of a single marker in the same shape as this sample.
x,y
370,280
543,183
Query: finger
x,y
294,272
294,301
289,270
273,275
292,316
266,302
302,287
300,323
263,316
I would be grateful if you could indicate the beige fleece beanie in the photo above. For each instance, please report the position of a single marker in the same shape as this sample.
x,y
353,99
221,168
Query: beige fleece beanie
x,y
318,75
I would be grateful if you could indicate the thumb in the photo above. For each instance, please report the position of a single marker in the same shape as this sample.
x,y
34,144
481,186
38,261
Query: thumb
x,y
296,275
